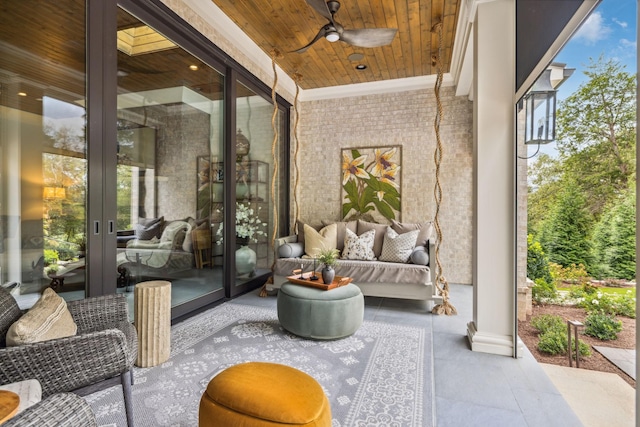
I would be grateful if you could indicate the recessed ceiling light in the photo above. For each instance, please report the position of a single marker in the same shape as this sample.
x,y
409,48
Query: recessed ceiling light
x,y
355,57
22,93
361,67
193,67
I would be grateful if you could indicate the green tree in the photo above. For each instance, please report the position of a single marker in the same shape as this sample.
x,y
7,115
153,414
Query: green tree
x,y
622,260
596,132
614,242
565,234
545,183
602,245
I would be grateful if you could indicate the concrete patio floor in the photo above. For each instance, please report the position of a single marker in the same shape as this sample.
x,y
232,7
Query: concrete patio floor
x,y
477,389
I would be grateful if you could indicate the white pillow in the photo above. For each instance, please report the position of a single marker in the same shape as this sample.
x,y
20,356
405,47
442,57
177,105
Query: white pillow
x,y
359,247
315,241
398,247
172,229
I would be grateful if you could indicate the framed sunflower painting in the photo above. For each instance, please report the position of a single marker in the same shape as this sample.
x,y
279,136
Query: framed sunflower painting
x,y
371,183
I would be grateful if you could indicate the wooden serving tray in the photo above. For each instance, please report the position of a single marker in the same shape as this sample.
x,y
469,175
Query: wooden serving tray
x,y
319,284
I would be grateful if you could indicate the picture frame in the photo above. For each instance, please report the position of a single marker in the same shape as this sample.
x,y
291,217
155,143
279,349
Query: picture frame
x,y
371,183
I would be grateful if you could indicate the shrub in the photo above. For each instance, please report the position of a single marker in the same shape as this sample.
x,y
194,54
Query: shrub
x,y
542,291
555,342
546,322
575,274
50,257
553,335
626,305
583,348
613,305
602,326
65,253
537,262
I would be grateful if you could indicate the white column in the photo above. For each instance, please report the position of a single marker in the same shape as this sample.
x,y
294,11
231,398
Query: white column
x,y
493,327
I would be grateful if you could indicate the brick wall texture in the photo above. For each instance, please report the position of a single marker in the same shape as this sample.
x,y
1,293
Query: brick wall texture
x,y
404,119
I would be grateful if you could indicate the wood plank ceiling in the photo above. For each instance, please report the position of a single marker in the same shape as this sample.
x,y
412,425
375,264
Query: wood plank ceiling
x,y
287,25
283,24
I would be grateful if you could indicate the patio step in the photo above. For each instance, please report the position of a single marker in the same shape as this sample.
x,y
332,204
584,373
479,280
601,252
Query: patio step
x,y
597,398
623,358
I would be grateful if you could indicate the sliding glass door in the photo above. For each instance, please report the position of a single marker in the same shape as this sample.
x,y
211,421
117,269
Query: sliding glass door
x,y
170,143
43,144
120,126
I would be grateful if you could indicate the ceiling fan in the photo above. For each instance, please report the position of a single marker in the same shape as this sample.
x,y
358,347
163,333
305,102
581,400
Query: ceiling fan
x,y
333,31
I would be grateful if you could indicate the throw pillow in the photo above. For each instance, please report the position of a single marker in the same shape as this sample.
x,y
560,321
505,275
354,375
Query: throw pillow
x,y
420,256
426,230
381,229
49,318
187,243
315,241
171,231
359,247
148,228
342,230
398,247
300,230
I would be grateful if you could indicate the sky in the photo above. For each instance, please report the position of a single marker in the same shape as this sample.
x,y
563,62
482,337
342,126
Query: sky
x,y
610,30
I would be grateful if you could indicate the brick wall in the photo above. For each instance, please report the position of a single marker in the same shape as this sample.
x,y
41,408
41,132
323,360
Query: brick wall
x,y
405,119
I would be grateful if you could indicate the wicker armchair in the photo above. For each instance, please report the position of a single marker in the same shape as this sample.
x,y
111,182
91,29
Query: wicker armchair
x,y
100,355
58,410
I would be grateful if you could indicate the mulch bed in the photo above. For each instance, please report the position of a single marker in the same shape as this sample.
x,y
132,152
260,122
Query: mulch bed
x,y
596,362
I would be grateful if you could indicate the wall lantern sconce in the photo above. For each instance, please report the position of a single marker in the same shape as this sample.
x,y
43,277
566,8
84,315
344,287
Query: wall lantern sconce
x,y
540,108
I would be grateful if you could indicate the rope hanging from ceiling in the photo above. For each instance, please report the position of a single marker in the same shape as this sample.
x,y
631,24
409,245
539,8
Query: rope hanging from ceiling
x,y
274,149
441,283
297,78
274,155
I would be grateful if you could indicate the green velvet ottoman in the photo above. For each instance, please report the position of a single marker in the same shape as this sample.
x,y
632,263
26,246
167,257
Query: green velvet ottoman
x,y
319,314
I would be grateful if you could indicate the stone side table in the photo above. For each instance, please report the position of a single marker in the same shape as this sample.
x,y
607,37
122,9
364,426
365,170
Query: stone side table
x,y
152,302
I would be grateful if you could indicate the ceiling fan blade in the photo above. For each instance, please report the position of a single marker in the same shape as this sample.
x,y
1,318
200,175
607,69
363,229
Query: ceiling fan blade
x,y
369,37
321,7
318,36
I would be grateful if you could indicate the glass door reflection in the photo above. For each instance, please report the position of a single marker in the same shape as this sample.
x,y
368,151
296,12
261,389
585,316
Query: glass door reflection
x,y
170,107
43,168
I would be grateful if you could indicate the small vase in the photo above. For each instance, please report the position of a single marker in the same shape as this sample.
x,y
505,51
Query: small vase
x,y
242,190
246,260
328,273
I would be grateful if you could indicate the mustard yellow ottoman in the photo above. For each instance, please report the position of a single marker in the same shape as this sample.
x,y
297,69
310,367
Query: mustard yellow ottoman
x,y
259,394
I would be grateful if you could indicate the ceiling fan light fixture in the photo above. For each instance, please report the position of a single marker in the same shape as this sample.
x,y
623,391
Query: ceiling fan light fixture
x,y
332,36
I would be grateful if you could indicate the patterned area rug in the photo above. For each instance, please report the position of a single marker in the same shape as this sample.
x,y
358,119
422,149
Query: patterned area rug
x,y
380,376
